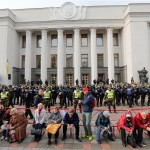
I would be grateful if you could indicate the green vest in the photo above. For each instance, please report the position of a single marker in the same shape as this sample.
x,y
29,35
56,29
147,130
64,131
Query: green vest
x,y
4,95
47,95
110,94
77,94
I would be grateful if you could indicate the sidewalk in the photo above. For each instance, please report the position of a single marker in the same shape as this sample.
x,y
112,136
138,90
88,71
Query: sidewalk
x,y
70,143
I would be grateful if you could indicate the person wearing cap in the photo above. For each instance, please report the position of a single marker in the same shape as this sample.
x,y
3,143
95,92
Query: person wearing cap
x,y
142,122
125,124
87,113
103,124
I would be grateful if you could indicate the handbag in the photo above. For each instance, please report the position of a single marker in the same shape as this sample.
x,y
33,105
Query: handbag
x,y
53,128
36,131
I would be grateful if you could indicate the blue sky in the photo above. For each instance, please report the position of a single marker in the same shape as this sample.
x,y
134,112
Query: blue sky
x,y
16,4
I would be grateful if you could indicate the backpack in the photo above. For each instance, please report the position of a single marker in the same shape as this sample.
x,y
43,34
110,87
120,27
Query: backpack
x,y
93,103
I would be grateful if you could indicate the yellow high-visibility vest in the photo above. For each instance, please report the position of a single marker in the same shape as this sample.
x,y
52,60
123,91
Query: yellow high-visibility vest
x,y
47,95
77,94
110,94
4,95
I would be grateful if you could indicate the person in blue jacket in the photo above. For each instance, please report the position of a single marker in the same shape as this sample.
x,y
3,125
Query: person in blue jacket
x,y
71,119
87,103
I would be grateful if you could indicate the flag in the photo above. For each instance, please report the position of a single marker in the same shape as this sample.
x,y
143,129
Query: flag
x,y
7,68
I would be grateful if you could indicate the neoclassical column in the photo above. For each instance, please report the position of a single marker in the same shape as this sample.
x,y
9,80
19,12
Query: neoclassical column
x,y
110,53
60,58
28,55
93,55
44,56
77,55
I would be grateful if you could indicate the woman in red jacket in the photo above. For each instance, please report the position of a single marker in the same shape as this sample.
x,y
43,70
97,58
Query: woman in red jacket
x,y
142,120
125,124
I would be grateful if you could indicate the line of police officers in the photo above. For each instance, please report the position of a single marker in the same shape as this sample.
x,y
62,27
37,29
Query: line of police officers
x,y
112,94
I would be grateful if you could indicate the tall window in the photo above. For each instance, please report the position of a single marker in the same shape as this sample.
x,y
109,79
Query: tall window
x,y
69,79
117,77
23,41
100,60
115,39
69,40
23,61
85,78
116,60
99,40
53,79
84,40
84,60
38,41
101,76
38,61
54,40
69,60
54,61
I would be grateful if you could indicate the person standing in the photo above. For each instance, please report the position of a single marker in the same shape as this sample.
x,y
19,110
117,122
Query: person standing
x,y
110,98
87,113
76,97
4,97
27,100
47,98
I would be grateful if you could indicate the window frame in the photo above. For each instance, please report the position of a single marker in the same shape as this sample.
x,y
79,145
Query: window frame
x,y
82,41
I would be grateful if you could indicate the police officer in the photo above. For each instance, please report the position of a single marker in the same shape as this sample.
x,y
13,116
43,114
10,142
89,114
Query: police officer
x,y
47,98
143,92
4,97
110,98
77,94
28,101
10,97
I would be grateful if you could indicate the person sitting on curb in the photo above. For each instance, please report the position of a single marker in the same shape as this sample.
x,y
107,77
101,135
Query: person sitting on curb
x,y
71,119
125,125
142,121
54,118
103,125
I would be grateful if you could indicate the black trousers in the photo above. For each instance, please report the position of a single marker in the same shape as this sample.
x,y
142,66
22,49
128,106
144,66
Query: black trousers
x,y
56,135
76,130
28,112
138,135
123,136
76,103
10,103
47,104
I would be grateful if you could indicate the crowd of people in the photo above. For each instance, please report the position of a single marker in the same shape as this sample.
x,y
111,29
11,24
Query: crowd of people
x,y
13,122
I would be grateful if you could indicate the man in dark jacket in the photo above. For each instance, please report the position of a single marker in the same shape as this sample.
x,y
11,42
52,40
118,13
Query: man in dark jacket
x,y
38,98
27,100
71,119
87,113
103,124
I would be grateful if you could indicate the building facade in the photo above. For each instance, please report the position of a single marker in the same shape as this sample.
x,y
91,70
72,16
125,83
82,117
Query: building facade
x,y
72,42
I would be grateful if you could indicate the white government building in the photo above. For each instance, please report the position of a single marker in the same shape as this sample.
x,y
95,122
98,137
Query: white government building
x,y
74,42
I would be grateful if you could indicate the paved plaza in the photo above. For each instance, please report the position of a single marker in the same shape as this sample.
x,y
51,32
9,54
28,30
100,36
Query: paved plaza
x,y
70,143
